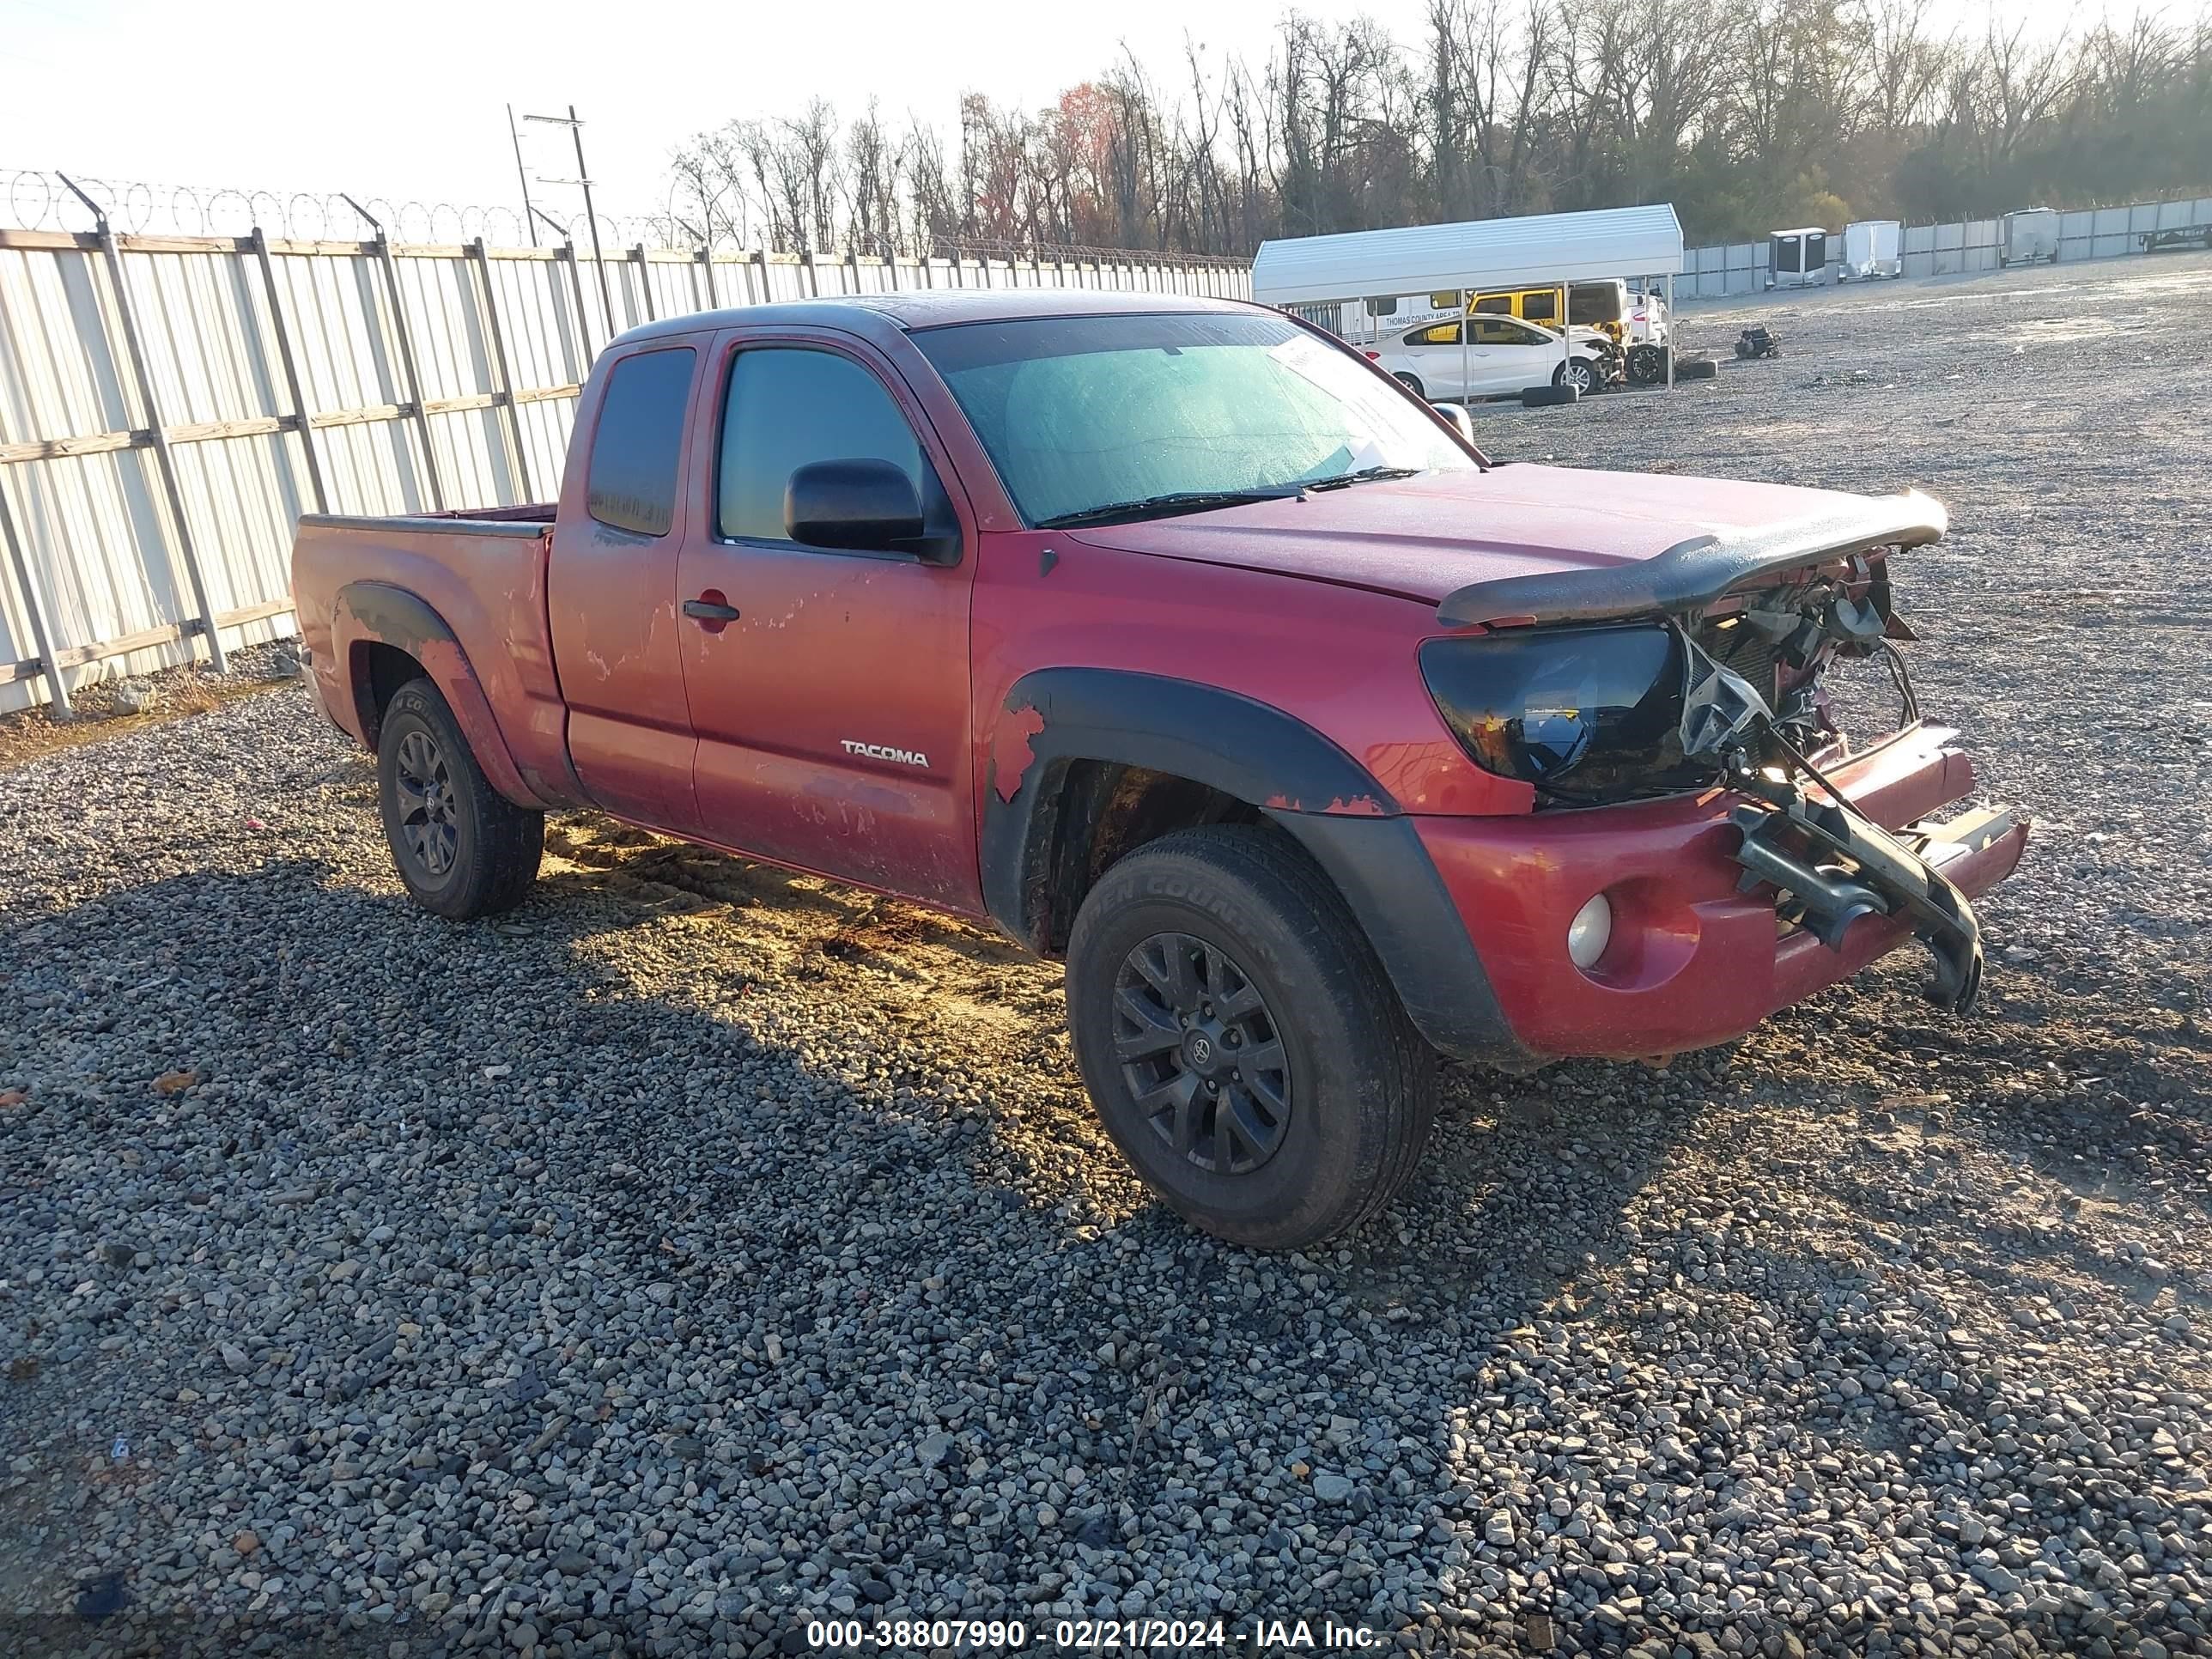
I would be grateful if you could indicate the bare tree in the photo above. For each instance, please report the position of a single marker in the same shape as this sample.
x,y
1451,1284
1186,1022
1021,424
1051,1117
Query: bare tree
x,y
1905,65
1736,110
872,184
2019,80
932,216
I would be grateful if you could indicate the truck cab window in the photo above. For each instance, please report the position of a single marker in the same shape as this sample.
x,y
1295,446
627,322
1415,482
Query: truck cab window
x,y
789,406
638,441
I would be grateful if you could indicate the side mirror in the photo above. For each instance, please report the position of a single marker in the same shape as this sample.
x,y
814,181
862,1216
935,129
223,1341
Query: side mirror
x,y
1456,415
867,506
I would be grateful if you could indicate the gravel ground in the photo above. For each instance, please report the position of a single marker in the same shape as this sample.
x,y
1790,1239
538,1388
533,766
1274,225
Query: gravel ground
x,y
701,1248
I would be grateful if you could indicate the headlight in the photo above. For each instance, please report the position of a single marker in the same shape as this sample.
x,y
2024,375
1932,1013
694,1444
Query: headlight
x,y
1586,715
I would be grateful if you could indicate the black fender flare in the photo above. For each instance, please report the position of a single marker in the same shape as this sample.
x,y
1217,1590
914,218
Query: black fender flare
x,y
384,614
1347,822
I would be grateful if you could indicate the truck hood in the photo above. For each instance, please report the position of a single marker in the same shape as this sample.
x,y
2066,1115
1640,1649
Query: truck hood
x,y
1540,531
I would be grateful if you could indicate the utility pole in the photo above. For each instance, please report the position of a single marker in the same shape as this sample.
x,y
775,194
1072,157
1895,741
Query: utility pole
x,y
529,211
576,125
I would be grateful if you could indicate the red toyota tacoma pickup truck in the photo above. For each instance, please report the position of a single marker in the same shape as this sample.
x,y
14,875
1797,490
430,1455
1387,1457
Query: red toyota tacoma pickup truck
x,y
1182,644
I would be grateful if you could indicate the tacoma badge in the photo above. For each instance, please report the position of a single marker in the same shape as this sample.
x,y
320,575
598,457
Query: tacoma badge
x,y
880,751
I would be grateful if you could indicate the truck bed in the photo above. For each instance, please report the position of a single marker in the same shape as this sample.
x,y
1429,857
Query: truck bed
x,y
464,590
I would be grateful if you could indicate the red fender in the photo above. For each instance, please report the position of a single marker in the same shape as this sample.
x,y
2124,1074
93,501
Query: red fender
x,y
378,613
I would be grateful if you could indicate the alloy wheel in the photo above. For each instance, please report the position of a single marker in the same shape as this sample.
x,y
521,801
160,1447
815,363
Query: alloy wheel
x,y
1201,1055
427,827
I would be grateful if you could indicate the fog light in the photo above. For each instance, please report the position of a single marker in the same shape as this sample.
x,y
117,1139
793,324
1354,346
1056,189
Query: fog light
x,y
1589,933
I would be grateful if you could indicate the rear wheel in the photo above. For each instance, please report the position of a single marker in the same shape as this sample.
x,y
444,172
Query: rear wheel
x,y
462,848
1647,364
1411,383
1241,1041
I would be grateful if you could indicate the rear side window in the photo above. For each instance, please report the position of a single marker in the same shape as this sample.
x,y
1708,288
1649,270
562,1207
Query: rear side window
x,y
790,406
638,441
1540,307
1503,330
1442,334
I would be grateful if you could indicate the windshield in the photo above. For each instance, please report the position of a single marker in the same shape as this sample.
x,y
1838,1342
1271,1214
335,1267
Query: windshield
x,y
1080,413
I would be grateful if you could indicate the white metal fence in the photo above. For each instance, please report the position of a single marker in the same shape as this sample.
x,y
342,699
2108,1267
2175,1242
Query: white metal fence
x,y
1739,268
169,405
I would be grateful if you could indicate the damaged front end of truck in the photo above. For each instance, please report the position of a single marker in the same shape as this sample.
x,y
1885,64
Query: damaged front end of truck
x,y
1708,667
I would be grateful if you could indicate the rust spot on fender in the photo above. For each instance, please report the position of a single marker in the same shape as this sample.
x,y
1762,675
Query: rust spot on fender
x,y
1010,754
1358,806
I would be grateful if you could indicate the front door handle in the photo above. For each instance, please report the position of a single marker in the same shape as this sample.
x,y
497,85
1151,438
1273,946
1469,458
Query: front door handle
x,y
711,611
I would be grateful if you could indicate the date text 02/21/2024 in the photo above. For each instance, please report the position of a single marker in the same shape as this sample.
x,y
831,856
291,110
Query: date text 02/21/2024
x,y
1252,1635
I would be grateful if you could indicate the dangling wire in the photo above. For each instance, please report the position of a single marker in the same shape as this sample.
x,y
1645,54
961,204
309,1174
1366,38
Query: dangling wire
x,y
1901,676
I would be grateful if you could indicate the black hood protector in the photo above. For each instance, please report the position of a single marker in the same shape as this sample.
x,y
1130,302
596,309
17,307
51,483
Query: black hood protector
x,y
1694,573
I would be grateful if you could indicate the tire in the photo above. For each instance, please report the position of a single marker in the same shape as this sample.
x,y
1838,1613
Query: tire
x,y
1546,396
462,848
1330,1135
1647,364
1584,375
1412,384
1697,369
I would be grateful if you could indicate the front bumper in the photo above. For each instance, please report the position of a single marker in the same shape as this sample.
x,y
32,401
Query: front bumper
x,y
1693,961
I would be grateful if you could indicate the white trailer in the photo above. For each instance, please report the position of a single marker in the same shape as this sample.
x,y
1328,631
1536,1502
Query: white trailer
x,y
2030,233
1797,258
1872,248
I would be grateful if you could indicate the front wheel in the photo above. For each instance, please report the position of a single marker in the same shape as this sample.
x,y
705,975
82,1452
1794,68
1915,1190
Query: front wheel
x,y
462,848
1582,374
1242,1044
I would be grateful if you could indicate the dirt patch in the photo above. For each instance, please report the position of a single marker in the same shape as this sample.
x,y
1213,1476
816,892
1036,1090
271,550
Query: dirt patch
x,y
112,708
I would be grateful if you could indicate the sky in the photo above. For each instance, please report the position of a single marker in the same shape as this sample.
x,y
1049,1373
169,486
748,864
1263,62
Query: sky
x,y
408,99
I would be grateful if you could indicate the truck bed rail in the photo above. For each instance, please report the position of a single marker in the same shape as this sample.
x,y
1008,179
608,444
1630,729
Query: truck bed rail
x,y
443,524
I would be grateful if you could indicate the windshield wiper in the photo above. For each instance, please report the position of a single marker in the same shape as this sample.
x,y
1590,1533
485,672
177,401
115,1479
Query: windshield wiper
x,y
1181,501
1340,480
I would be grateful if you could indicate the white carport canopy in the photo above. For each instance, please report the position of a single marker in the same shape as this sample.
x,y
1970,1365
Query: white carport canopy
x,y
1544,250
1535,252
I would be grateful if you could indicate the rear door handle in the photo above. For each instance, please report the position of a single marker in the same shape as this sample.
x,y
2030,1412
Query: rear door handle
x,y
709,608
